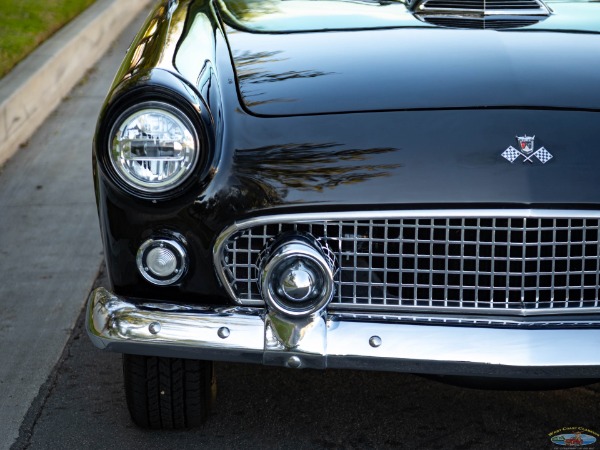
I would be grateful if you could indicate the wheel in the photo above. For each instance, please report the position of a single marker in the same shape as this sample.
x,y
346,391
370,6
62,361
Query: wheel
x,y
168,393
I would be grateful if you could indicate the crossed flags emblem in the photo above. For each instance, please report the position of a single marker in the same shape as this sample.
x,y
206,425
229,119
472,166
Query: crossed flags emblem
x,y
527,151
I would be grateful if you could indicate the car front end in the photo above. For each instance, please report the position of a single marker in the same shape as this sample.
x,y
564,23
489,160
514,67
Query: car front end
x,y
353,185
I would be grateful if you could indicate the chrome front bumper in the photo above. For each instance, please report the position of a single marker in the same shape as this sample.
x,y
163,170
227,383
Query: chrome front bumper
x,y
249,335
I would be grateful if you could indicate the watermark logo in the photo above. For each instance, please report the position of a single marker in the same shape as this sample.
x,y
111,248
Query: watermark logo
x,y
574,437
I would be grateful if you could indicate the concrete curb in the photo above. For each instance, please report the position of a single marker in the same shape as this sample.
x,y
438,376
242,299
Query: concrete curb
x,y
35,87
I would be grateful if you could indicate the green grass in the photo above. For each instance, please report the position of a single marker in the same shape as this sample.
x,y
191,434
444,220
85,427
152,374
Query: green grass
x,y
25,24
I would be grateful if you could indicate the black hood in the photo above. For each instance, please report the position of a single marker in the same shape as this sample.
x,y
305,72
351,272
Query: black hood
x,y
400,63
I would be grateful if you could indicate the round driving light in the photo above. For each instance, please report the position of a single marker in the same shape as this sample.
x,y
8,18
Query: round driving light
x,y
153,147
298,282
161,261
296,278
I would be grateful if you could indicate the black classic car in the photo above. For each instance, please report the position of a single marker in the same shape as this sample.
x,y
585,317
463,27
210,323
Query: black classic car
x,y
408,186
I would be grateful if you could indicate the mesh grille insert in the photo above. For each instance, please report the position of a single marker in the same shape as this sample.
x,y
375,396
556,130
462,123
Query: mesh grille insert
x,y
491,265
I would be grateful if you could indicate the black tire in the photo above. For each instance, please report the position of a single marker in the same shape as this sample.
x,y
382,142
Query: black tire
x,y
168,393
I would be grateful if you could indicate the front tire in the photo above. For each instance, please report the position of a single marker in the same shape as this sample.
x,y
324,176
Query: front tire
x,y
168,393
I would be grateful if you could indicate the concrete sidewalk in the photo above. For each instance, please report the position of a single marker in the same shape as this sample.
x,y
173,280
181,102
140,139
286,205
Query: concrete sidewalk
x,y
35,87
50,248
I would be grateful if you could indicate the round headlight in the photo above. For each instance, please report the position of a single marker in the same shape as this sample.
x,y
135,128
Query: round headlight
x,y
153,147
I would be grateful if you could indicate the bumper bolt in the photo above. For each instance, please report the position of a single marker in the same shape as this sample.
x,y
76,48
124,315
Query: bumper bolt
x,y
154,328
375,341
294,362
223,332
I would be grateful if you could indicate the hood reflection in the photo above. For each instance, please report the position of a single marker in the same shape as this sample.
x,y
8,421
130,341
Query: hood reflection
x,y
256,68
309,167
251,68
275,175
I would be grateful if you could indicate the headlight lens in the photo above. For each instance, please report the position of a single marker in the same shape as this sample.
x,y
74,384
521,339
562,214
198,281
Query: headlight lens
x,y
153,147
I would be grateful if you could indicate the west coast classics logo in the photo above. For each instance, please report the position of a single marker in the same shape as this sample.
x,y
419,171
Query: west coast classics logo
x,y
574,437
527,151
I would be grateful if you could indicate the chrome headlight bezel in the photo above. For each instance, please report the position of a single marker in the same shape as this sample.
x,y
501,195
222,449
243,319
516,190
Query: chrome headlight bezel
x,y
181,167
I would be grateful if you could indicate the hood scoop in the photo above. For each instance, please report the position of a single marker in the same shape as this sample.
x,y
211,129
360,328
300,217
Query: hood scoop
x,y
480,14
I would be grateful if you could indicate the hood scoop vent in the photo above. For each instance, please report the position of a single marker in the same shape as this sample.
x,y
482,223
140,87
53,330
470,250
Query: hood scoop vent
x,y
493,23
480,14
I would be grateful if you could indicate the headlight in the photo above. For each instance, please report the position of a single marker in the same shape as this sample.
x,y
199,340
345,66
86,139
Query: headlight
x,y
153,147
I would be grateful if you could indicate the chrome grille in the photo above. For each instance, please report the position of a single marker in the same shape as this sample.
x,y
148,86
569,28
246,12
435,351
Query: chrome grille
x,y
484,264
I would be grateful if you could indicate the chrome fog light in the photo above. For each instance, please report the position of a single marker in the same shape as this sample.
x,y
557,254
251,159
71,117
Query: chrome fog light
x,y
296,277
161,261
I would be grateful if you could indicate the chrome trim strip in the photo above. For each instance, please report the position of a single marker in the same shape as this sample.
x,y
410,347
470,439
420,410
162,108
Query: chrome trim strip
x,y
469,321
491,312
415,214
245,335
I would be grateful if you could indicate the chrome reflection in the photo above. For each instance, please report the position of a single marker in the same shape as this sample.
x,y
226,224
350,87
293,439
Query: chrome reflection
x,y
116,324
